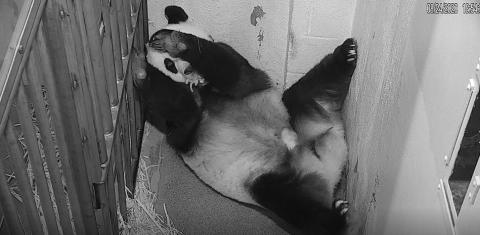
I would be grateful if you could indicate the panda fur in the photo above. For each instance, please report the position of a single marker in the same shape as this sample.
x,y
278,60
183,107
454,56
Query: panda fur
x,y
242,136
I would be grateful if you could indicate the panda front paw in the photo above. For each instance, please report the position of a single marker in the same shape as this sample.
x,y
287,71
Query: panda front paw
x,y
340,206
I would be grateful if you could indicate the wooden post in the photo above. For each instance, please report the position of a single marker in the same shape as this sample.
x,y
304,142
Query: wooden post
x,y
94,131
8,206
22,180
94,44
34,156
34,94
18,55
65,121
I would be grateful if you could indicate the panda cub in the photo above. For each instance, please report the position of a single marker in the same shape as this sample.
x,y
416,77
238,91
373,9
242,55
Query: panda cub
x,y
244,138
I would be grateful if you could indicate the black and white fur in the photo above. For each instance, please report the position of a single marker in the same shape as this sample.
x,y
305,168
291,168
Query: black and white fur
x,y
247,140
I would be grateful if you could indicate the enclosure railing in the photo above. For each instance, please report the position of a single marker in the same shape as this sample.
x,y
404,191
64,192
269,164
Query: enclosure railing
x,y
71,122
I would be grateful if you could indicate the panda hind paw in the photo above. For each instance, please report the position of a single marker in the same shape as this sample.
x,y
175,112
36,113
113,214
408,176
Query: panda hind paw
x,y
349,47
347,52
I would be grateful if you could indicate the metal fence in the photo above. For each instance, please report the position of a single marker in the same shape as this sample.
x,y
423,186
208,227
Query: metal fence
x,y
71,123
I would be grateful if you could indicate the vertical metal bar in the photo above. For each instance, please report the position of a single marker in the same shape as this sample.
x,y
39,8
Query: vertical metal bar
x,y
121,27
117,50
22,180
145,19
94,44
29,134
108,54
135,104
8,206
135,5
110,192
127,9
128,145
65,122
119,166
139,30
34,94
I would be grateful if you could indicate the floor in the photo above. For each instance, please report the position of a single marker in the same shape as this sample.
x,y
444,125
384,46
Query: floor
x,y
193,207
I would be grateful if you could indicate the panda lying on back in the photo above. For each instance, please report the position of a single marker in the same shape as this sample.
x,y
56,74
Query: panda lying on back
x,y
241,136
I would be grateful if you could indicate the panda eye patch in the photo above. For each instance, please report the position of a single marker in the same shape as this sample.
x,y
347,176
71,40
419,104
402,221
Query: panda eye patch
x,y
170,65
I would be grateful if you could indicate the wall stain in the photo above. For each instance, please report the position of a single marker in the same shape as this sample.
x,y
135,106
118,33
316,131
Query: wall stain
x,y
260,37
373,198
256,15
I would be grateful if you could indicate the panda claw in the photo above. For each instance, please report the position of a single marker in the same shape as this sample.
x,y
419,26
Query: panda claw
x,y
341,206
339,203
191,87
349,51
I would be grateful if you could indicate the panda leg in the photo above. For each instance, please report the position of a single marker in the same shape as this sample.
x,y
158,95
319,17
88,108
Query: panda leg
x,y
181,136
328,82
170,107
300,199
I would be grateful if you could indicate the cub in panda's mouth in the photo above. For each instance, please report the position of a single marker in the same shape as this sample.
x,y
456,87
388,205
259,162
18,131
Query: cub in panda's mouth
x,y
176,69
242,136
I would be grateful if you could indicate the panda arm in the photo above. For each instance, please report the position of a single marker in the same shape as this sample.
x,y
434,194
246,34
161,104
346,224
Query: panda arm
x,y
223,68
170,107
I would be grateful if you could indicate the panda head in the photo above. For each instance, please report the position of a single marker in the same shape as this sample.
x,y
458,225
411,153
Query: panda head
x,y
165,46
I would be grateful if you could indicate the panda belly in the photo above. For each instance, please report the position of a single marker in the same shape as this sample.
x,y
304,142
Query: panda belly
x,y
228,166
245,141
239,144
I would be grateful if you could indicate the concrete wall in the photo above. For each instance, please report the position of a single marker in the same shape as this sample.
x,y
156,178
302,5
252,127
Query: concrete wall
x,y
284,38
317,27
405,107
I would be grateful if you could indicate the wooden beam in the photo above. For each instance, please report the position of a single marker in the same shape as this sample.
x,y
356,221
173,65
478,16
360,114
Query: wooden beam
x,y
17,54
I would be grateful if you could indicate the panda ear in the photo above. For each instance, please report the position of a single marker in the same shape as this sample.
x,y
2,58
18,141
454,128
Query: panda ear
x,y
175,14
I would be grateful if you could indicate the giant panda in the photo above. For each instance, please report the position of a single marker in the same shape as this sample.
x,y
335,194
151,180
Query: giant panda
x,y
243,137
